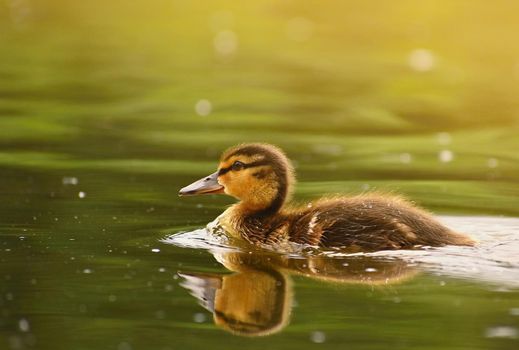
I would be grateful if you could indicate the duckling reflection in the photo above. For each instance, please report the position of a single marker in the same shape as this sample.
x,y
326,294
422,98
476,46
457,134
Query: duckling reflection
x,y
256,300
252,302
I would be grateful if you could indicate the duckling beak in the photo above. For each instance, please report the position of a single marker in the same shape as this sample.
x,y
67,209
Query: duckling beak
x,y
206,185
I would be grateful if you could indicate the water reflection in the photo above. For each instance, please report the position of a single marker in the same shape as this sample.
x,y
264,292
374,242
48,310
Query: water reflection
x,y
257,298
254,301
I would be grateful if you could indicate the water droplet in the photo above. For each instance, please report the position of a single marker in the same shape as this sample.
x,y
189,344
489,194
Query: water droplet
x,y
23,324
203,107
156,250
446,156
421,60
69,180
406,158
16,342
81,194
318,337
502,332
161,269
87,271
225,43
492,163
371,269
199,317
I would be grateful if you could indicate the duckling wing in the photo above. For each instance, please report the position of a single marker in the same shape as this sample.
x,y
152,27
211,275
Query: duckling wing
x,y
369,224
356,230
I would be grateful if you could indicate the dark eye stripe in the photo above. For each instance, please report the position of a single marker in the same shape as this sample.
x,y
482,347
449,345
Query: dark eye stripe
x,y
245,166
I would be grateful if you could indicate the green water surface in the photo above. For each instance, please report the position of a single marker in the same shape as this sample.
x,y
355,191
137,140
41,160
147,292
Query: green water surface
x,y
108,108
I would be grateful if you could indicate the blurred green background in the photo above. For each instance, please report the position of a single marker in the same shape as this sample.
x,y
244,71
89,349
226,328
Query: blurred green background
x,y
419,95
107,108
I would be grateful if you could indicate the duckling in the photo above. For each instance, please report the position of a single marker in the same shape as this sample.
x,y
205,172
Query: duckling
x,y
262,178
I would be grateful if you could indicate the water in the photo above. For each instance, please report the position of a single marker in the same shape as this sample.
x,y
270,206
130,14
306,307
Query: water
x,y
263,281
493,261
106,110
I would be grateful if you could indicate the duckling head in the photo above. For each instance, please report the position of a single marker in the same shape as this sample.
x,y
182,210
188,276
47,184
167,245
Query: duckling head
x,y
259,175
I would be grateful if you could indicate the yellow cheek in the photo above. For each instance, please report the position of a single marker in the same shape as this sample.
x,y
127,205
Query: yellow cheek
x,y
237,184
229,183
222,180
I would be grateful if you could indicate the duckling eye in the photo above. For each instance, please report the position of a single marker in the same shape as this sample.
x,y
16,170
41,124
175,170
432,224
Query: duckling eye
x,y
237,165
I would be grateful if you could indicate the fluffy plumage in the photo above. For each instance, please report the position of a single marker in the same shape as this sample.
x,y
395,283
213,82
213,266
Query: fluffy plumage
x,y
262,178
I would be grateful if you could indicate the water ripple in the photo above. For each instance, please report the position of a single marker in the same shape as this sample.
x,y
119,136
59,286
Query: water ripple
x,y
493,261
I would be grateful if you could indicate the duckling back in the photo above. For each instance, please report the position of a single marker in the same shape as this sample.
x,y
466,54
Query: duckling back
x,y
370,223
